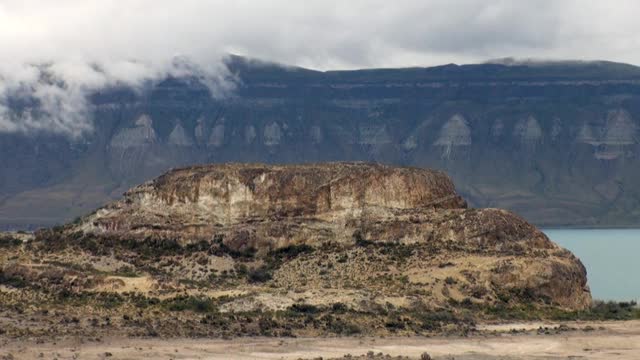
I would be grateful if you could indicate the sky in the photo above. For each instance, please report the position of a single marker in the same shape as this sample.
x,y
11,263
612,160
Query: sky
x,y
323,34
92,43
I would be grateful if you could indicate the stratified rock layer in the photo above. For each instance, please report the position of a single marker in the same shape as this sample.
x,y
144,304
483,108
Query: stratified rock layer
x,y
265,208
557,143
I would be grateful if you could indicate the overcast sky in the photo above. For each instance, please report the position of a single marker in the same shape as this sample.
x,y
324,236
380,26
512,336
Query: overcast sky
x,y
322,34
92,43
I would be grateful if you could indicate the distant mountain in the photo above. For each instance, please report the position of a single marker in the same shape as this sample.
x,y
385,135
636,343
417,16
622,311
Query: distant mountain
x,y
557,142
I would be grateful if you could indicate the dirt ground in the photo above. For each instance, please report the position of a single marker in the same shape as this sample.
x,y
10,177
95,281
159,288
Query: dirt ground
x,y
595,340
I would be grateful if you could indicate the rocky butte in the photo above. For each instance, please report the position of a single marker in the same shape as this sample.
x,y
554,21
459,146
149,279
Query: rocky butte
x,y
267,208
376,248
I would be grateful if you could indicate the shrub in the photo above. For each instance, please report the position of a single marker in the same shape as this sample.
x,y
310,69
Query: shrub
x,y
432,320
478,291
126,271
611,310
108,300
259,275
396,252
291,251
360,240
600,310
241,269
339,308
341,327
12,280
190,303
9,242
395,323
304,308
219,248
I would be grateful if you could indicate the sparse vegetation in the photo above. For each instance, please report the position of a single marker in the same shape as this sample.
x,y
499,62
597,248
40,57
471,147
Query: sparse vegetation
x,y
190,303
359,239
291,251
259,275
600,310
74,274
191,268
9,241
126,271
12,280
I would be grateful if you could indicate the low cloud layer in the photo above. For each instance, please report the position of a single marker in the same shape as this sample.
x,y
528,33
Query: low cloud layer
x,y
53,96
85,45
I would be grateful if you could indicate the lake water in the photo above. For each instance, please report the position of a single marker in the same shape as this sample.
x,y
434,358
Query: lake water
x,y
611,256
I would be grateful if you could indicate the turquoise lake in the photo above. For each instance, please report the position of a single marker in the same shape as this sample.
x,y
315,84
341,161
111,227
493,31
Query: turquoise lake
x,y
611,256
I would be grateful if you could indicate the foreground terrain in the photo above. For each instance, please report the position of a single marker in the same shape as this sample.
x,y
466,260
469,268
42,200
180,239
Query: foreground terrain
x,y
308,250
241,261
550,341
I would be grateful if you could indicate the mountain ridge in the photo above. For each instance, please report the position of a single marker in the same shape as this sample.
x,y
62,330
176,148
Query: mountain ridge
x,y
558,144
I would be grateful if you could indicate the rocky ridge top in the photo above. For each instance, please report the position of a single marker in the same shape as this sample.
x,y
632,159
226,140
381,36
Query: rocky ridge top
x,y
265,208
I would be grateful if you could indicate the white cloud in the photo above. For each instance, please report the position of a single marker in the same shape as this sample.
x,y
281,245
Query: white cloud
x,y
57,92
135,40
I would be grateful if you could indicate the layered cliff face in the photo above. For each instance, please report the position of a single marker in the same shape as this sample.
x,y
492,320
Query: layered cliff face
x,y
199,203
557,143
261,210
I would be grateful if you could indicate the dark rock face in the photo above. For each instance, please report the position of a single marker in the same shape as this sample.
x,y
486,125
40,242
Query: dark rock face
x,y
558,143
262,209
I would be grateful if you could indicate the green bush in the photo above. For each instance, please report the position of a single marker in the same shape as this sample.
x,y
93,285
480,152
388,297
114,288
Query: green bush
x,y
9,242
11,280
341,327
190,303
600,310
259,275
339,308
300,311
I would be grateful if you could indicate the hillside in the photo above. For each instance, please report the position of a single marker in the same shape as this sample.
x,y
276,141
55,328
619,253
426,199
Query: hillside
x,y
305,250
555,142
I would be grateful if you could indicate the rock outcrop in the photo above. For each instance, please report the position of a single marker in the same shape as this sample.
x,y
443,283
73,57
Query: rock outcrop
x,y
264,209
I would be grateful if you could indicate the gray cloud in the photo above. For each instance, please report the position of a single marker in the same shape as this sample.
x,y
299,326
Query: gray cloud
x,y
91,44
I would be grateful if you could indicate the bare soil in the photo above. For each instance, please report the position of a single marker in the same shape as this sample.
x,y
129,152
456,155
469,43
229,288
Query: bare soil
x,y
573,340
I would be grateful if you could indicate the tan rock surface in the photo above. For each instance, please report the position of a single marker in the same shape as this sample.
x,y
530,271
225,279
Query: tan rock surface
x,y
305,251
265,208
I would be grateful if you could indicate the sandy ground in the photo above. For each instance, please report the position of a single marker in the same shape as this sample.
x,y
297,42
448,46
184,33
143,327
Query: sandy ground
x,y
610,340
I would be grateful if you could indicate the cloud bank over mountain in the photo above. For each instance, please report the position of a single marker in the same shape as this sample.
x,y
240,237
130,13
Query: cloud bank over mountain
x,y
58,52
53,96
